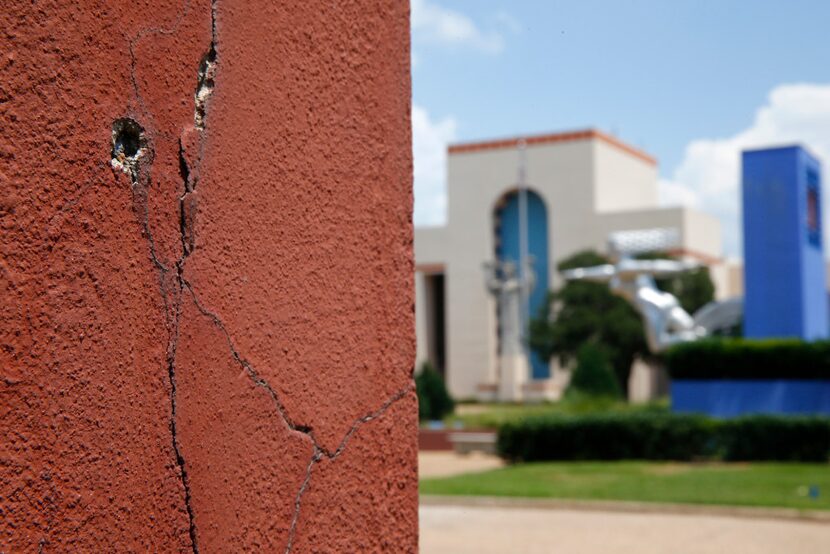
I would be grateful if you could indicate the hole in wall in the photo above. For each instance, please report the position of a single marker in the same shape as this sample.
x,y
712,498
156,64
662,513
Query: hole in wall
x,y
128,145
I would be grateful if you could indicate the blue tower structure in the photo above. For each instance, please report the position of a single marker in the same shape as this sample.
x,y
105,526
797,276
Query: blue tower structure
x,y
784,268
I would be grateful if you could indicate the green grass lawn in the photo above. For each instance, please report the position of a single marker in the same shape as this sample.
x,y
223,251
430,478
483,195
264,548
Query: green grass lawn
x,y
492,415
756,484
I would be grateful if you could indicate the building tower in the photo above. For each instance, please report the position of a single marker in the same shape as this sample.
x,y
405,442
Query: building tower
x,y
784,274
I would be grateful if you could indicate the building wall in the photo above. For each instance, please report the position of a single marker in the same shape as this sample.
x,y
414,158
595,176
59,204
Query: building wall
x,y
432,248
477,181
590,184
212,348
733,271
623,181
572,173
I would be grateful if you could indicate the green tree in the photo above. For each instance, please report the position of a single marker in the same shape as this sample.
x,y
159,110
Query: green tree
x,y
434,402
694,288
581,312
593,375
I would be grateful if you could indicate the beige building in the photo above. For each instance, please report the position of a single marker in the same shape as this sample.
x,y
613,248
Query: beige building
x,y
582,186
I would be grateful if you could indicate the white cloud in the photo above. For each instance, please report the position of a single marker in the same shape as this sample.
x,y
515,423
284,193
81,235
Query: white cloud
x,y
509,22
429,148
435,23
709,175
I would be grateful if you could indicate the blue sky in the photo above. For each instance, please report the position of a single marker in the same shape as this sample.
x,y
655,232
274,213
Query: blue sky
x,y
690,81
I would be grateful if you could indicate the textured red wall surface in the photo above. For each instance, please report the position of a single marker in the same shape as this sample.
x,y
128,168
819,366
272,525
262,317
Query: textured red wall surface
x,y
208,344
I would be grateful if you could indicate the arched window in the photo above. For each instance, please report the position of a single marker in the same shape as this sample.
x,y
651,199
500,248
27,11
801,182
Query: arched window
x,y
507,232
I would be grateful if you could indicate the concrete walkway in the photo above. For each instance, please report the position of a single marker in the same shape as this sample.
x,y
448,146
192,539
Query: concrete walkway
x,y
446,464
485,530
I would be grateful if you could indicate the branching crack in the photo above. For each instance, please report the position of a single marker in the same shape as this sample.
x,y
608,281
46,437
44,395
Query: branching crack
x,y
174,286
132,154
320,451
259,381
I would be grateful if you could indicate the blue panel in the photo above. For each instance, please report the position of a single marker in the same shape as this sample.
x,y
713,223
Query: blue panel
x,y
731,398
784,271
507,248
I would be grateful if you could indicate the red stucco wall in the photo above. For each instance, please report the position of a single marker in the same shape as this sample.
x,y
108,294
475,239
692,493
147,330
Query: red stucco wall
x,y
212,350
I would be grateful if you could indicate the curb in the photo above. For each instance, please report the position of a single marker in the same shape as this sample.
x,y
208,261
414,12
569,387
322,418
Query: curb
x,y
792,514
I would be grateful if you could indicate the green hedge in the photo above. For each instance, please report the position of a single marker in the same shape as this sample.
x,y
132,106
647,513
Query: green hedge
x,y
664,437
749,359
775,438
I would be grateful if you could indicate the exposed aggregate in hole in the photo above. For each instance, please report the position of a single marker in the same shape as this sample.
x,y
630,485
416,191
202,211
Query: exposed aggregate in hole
x,y
129,145
207,71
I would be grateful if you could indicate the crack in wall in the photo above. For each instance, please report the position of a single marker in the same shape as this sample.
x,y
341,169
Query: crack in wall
x,y
173,296
127,157
320,451
171,374
207,71
259,381
298,500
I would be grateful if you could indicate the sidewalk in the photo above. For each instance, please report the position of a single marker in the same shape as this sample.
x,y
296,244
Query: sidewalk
x,y
459,529
448,463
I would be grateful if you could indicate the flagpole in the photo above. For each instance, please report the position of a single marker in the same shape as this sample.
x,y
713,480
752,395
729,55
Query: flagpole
x,y
523,240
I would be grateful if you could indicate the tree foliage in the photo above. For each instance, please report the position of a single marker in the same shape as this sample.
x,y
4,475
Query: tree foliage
x,y
582,312
593,375
694,288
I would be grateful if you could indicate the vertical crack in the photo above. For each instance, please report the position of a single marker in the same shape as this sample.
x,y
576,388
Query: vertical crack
x,y
299,499
132,153
205,84
171,372
126,157
185,226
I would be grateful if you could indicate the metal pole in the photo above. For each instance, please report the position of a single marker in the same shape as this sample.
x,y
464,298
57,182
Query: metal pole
x,y
523,247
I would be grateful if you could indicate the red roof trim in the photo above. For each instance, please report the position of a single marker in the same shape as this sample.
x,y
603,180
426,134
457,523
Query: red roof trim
x,y
571,136
430,269
706,259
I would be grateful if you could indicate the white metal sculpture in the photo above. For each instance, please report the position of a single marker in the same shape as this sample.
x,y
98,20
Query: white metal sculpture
x,y
511,287
666,322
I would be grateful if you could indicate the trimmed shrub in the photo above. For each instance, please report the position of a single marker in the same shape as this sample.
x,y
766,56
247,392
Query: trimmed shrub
x,y
749,359
664,437
803,439
434,402
593,375
606,437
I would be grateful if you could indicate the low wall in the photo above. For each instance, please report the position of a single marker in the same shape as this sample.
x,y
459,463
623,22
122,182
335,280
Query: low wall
x,y
730,398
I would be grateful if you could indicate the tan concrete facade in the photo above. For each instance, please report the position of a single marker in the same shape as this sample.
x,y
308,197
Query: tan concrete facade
x,y
591,184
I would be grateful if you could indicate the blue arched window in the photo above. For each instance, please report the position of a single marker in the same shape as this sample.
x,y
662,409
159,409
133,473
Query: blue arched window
x,y
507,248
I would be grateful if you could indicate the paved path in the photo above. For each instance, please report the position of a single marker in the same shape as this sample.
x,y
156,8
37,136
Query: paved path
x,y
444,464
485,530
